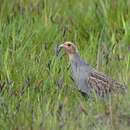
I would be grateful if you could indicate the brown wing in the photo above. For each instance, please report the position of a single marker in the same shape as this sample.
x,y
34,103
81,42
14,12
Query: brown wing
x,y
104,85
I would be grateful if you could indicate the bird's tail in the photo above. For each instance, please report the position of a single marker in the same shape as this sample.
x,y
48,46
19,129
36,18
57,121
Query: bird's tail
x,y
121,88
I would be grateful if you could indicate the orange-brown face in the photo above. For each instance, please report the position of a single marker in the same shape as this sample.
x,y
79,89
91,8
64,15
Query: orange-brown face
x,y
69,47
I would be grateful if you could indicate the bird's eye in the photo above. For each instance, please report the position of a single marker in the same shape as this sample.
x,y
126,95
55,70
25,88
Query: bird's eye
x,y
69,44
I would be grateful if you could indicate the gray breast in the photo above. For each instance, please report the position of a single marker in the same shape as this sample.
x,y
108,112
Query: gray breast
x,y
80,72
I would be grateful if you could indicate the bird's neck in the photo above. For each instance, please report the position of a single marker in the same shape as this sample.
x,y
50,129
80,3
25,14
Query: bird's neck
x,y
74,57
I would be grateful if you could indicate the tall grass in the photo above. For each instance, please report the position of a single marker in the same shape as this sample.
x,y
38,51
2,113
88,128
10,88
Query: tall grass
x,y
36,90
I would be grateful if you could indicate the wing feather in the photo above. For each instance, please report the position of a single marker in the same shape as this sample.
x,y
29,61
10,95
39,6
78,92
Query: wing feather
x,y
104,85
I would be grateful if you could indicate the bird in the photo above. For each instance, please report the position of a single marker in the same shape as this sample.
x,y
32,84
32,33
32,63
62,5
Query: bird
x,y
88,80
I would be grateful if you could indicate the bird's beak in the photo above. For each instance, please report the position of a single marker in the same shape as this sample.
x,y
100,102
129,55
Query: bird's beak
x,y
61,46
59,49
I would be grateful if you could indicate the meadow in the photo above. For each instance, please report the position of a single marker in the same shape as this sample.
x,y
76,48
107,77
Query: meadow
x,y
36,89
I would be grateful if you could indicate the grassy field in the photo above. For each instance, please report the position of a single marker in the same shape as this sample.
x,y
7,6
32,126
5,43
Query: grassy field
x,y
36,90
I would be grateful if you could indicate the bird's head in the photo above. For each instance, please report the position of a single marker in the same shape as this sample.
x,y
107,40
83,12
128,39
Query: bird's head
x,y
69,47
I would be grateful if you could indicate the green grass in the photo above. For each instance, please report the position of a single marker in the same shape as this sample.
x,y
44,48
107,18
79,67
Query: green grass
x,y
30,97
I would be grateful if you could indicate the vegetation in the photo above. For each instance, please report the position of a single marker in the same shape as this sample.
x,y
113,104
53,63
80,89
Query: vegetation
x,y
36,90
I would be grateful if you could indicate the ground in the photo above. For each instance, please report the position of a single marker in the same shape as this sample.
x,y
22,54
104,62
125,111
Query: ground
x,y
36,89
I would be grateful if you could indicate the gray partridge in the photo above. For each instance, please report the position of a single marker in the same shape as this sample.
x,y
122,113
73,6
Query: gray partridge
x,y
88,79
